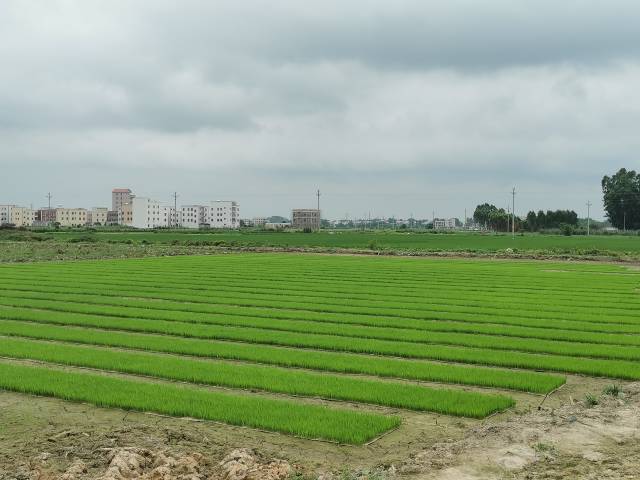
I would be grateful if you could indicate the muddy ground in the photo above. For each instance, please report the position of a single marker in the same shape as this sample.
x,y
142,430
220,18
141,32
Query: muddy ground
x,y
43,438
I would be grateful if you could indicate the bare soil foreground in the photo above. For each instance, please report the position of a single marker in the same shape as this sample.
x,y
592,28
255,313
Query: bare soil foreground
x,y
560,437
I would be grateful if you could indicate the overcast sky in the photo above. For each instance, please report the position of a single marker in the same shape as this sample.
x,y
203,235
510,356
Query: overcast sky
x,y
390,107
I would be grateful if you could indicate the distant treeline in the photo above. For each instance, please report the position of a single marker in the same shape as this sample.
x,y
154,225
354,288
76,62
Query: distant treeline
x,y
551,220
498,219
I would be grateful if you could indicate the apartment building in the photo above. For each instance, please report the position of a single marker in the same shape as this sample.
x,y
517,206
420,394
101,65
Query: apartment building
x,y
120,196
113,217
259,221
5,214
148,213
223,214
125,214
218,214
305,218
22,216
99,216
192,216
72,217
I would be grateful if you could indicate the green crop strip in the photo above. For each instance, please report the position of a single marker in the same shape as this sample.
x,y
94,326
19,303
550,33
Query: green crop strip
x,y
134,295
225,297
308,421
185,290
589,366
290,357
270,379
300,326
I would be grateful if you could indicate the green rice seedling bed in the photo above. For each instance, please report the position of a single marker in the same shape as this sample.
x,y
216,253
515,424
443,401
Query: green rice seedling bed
x,y
511,359
271,379
308,421
292,357
254,321
496,342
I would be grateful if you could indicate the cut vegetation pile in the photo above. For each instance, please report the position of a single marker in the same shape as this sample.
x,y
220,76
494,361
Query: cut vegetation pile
x,y
260,340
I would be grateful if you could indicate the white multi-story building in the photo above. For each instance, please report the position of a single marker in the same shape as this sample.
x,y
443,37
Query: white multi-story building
x,y
218,214
192,216
223,214
5,214
148,213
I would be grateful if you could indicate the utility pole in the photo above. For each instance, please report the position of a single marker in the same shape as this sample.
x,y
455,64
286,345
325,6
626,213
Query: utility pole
x,y
588,217
175,209
49,198
318,195
513,212
465,219
624,217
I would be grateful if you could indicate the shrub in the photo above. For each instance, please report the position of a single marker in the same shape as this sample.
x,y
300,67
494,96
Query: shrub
x,y
612,390
591,400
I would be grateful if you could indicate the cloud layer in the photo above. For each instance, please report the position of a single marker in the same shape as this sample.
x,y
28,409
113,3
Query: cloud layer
x,y
390,107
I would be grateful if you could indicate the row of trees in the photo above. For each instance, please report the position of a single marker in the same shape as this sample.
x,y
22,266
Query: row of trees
x,y
499,220
552,219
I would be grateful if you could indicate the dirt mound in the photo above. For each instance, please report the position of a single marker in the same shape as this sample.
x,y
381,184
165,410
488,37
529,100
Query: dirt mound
x,y
242,464
577,440
144,464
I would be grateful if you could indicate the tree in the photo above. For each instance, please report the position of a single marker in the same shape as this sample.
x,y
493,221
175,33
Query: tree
x,y
532,221
621,197
483,213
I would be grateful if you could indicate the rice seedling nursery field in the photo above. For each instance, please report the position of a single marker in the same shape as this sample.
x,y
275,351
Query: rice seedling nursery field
x,y
316,346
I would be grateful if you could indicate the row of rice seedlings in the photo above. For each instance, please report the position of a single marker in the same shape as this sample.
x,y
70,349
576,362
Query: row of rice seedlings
x,y
449,287
521,380
410,324
269,289
226,296
168,310
590,366
397,271
270,379
304,420
449,283
494,342
400,274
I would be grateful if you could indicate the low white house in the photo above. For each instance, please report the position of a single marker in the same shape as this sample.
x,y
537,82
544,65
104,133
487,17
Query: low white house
x,y
444,223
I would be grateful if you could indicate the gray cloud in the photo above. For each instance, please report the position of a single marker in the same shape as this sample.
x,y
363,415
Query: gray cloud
x,y
404,106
